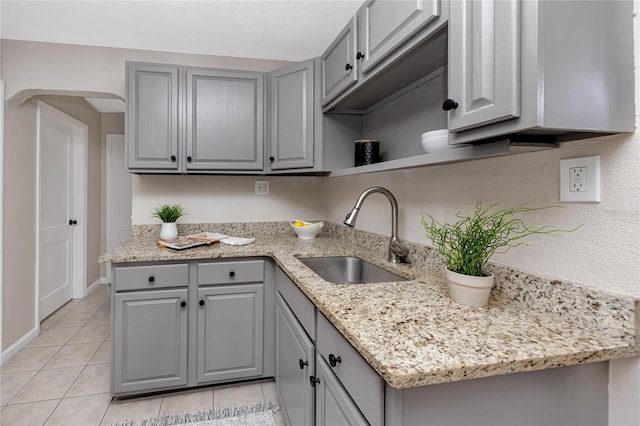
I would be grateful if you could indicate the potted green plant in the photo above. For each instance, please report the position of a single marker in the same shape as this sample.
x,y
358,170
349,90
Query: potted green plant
x,y
168,214
467,245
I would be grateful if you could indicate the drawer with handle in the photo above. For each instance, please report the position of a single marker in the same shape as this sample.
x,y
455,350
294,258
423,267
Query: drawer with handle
x,y
247,271
150,277
363,384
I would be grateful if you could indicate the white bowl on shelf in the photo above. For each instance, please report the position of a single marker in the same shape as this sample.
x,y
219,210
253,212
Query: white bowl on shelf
x,y
308,231
436,140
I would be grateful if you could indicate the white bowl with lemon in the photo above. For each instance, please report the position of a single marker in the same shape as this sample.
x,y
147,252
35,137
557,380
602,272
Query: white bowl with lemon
x,y
306,230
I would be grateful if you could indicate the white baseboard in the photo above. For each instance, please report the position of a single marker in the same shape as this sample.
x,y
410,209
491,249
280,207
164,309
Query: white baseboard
x,y
93,286
12,350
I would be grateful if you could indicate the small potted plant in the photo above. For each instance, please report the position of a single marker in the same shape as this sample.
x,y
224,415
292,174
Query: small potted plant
x,y
467,245
168,214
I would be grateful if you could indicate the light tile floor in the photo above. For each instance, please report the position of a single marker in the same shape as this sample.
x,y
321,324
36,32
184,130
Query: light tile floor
x,y
62,377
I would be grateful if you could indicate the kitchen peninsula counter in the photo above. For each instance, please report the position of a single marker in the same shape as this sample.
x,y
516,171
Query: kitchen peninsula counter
x,y
413,335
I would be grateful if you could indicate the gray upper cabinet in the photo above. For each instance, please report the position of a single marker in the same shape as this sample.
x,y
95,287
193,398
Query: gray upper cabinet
x,y
532,71
150,340
292,117
152,119
484,62
339,63
224,120
386,24
230,332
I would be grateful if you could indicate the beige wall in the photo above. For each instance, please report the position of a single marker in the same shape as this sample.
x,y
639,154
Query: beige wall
x,y
19,222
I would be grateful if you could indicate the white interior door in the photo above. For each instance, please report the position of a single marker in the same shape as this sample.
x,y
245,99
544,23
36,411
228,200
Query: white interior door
x,y
60,254
118,195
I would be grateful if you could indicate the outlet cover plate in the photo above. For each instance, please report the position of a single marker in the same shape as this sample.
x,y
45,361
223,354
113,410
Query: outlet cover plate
x,y
262,187
580,180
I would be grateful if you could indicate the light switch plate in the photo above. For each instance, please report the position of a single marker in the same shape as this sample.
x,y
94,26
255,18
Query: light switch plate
x,y
580,180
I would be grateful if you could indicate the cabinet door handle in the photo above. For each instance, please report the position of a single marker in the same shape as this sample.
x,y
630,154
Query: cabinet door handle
x,y
302,364
183,304
173,158
232,274
152,279
449,104
189,158
359,56
201,303
334,360
348,67
313,381
271,159
73,222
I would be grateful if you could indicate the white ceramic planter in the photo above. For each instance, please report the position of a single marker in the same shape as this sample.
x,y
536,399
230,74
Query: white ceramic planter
x,y
169,231
469,290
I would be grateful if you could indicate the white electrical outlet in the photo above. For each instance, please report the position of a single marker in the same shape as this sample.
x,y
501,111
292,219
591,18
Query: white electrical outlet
x,y
262,187
580,180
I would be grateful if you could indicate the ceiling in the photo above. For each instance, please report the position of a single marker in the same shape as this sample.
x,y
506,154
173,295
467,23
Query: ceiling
x,y
291,30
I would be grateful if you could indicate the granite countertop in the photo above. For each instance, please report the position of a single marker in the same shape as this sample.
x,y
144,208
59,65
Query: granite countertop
x,y
412,334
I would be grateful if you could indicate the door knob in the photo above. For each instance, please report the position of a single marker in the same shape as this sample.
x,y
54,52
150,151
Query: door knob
x,y
173,158
449,104
201,303
348,67
302,364
183,304
189,158
313,381
73,222
359,56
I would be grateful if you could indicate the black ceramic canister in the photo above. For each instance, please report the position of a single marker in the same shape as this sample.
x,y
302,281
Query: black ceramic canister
x,y
369,151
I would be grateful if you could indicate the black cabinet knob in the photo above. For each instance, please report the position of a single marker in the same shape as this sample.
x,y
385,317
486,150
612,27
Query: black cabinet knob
x,y
449,104
201,303
73,222
348,67
232,274
359,55
272,159
302,364
173,158
313,381
183,304
334,360
152,279
189,158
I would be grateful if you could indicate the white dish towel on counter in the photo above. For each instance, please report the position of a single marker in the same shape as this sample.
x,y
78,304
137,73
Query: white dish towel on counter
x,y
232,241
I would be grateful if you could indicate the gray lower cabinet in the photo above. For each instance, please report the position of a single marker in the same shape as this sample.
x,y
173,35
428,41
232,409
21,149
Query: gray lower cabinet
x,y
230,332
334,407
150,340
295,364
310,390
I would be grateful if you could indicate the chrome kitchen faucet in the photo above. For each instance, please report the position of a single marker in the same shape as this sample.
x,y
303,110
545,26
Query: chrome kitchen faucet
x,y
397,252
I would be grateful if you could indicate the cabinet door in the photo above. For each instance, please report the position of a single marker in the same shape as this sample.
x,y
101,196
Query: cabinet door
x,y
484,62
292,117
150,340
387,24
339,65
294,364
152,132
230,333
334,407
224,120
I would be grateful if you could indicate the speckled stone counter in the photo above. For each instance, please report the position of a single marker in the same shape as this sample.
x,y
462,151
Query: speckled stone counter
x,y
410,332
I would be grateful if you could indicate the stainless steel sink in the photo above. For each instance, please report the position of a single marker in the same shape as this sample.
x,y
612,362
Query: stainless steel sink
x,y
349,270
